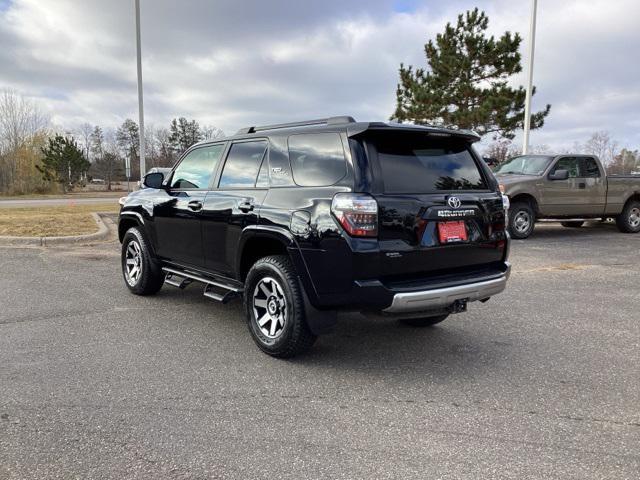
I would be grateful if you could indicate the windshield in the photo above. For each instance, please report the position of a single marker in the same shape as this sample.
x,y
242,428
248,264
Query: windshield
x,y
525,165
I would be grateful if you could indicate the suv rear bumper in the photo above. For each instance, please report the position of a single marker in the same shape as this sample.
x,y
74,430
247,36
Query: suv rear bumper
x,y
439,298
431,293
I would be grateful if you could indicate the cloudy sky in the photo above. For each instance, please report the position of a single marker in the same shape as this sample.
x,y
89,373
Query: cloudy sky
x,y
233,63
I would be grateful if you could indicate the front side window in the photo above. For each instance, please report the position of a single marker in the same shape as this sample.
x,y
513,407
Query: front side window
x,y
419,164
569,164
591,167
242,165
317,159
197,168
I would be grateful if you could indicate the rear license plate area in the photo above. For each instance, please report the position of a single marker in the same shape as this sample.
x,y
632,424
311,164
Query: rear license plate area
x,y
451,232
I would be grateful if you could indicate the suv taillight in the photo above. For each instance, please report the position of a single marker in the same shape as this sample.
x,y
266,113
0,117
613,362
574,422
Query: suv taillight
x,y
357,213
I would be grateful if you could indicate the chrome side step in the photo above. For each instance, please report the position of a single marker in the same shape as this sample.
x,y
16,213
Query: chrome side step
x,y
181,279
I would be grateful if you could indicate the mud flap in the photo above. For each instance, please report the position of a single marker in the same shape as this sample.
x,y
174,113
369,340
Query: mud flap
x,y
320,322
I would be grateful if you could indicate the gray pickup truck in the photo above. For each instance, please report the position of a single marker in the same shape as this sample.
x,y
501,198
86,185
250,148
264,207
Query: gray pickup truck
x,y
570,188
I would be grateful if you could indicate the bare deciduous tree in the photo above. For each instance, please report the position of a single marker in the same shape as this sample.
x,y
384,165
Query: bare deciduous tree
x,y
501,150
23,125
83,133
602,145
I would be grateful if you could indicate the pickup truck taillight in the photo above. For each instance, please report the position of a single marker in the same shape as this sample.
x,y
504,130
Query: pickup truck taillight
x,y
357,213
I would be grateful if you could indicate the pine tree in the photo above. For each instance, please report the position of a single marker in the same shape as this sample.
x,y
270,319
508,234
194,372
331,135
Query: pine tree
x,y
97,140
128,139
63,162
466,83
184,133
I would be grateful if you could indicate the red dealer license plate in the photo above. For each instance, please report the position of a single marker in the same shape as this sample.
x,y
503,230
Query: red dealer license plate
x,y
452,232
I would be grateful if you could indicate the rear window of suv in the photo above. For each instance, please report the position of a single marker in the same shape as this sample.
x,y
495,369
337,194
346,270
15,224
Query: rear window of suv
x,y
422,164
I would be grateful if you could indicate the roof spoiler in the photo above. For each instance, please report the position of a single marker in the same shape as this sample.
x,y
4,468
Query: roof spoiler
x,y
320,121
432,130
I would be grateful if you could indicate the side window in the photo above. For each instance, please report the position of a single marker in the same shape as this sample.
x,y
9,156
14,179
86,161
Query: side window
x,y
242,165
263,175
197,168
568,163
317,160
591,167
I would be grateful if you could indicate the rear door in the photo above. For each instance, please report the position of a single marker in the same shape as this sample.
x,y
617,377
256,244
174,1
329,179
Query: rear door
x,y
595,187
234,204
437,212
177,218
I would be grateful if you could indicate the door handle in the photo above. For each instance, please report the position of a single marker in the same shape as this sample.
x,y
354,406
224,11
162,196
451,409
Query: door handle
x,y
245,206
582,185
195,205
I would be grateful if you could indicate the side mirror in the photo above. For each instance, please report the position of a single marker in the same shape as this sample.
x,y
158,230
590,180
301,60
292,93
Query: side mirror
x,y
559,175
153,180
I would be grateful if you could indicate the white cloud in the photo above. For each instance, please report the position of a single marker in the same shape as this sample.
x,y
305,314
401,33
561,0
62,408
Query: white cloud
x,y
235,63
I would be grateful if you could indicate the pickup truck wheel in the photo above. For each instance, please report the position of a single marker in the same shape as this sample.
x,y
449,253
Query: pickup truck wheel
x,y
424,321
522,220
142,274
275,308
572,224
629,220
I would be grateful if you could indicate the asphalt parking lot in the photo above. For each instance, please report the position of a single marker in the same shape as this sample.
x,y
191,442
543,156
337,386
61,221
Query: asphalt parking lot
x,y
540,382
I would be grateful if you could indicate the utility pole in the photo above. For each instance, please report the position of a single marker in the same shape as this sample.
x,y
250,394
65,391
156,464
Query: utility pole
x,y
527,104
143,170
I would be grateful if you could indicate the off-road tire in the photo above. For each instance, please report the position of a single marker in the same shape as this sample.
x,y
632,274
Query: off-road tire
x,y
576,224
150,277
629,221
518,212
424,321
294,337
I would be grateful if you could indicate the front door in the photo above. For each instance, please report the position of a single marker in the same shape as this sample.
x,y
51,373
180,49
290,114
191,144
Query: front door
x,y
177,219
234,205
563,197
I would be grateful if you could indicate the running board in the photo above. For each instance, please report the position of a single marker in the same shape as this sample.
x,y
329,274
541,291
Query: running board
x,y
181,279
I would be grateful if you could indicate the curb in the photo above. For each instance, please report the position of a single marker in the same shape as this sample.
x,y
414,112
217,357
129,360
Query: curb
x,y
102,233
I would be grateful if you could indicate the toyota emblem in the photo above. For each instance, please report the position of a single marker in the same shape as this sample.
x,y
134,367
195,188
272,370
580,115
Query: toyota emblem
x,y
454,202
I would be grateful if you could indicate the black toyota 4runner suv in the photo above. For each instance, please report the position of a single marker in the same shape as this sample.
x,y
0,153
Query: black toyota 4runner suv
x,y
304,219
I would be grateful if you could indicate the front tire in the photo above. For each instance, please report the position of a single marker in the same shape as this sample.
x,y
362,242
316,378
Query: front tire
x,y
522,220
576,224
141,272
274,308
629,220
424,321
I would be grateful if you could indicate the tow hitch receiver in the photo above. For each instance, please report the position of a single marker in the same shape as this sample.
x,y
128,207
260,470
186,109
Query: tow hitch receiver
x,y
458,306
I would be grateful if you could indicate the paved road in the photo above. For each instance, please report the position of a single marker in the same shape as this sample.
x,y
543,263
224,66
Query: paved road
x,y
542,382
51,202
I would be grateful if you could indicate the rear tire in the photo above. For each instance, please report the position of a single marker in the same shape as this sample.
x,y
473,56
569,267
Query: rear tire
x,y
522,220
629,220
274,307
572,224
424,321
142,273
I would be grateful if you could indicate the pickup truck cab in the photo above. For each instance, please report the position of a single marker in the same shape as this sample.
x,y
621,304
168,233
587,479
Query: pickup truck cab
x,y
305,219
570,188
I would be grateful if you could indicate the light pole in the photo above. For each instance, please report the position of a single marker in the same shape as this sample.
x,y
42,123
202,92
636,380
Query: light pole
x,y
140,103
527,102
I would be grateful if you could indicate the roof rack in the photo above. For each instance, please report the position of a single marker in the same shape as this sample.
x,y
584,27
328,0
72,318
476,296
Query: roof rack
x,y
320,121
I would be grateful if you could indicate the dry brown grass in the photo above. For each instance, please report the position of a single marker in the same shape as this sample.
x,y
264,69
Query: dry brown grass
x,y
52,221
